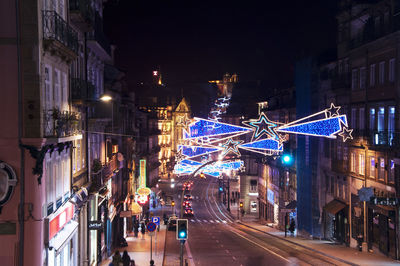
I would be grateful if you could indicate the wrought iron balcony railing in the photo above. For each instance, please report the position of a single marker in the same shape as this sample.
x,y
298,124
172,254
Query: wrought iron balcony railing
x,y
59,124
385,138
82,90
55,28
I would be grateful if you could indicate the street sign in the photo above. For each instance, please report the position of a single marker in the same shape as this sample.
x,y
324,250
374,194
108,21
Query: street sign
x,y
95,225
156,220
125,214
151,227
365,193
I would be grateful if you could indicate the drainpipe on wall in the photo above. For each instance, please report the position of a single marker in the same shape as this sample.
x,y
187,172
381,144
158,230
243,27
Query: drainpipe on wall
x,y
22,151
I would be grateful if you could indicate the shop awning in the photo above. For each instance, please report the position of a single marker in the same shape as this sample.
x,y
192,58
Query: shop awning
x,y
334,206
63,236
385,210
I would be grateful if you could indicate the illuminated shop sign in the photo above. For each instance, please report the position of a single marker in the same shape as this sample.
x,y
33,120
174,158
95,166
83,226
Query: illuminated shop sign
x,y
270,196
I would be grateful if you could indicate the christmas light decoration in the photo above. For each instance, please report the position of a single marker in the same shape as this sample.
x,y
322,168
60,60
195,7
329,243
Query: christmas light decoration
x,y
203,138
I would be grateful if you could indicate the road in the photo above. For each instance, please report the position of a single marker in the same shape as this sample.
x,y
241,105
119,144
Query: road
x,y
216,238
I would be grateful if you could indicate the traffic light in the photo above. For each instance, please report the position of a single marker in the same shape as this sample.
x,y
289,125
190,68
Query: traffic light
x,y
173,203
241,204
182,229
287,159
221,189
202,176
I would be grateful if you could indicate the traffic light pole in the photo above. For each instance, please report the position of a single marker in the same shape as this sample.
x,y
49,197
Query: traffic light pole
x,y
181,253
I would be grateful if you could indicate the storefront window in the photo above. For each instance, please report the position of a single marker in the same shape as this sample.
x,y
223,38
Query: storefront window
x,y
372,167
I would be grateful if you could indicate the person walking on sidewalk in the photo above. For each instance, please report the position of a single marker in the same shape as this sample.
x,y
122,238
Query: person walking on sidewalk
x,y
143,230
116,259
292,226
126,260
136,229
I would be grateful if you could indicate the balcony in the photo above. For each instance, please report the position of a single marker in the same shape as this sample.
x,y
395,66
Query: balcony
x,y
101,176
97,41
81,91
62,124
82,14
58,37
385,139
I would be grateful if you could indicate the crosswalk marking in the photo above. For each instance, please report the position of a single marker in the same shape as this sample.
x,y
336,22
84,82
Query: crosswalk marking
x,y
211,221
192,220
205,221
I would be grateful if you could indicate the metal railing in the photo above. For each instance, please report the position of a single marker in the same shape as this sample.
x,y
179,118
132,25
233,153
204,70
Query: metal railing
x,y
61,124
385,138
100,178
56,28
82,90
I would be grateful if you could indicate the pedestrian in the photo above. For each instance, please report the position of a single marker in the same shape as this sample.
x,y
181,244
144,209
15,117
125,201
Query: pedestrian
x,y
151,262
136,230
292,226
116,259
126,260
143,230
132,263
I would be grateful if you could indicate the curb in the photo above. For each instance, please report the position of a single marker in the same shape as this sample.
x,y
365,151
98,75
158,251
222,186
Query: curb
x,y
297,244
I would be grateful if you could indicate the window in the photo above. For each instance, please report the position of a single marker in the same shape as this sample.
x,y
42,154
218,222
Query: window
x,y
253,185
361,118
391,124
361,164
64,92
381,72
363,77
372,119
381,119
392,69
353,162
381,173
391,172
354,79
57,88
372,167
354,117
372,75
48,88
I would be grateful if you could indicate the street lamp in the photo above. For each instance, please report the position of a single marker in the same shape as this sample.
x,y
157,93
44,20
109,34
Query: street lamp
x,y
106,98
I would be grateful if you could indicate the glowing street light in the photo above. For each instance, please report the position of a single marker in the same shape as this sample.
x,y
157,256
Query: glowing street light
x,y
106,98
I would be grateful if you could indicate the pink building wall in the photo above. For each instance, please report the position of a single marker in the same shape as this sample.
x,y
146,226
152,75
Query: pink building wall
x,y
10,152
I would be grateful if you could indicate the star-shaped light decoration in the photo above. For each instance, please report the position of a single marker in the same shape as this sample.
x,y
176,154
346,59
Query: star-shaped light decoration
x,y
262,126
346,134
231,146
184,122
333,110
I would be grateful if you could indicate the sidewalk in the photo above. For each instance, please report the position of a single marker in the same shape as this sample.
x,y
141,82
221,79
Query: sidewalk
x,y
139,248
327,248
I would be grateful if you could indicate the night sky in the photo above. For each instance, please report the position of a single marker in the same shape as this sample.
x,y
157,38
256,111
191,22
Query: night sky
x,y
197,41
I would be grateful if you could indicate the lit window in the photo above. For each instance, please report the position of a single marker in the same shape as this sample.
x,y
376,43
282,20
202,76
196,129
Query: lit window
x,y
361,164
372,167
353,162
381,175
